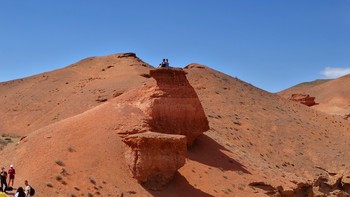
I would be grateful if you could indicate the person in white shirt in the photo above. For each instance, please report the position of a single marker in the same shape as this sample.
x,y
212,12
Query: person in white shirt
x,y
27,188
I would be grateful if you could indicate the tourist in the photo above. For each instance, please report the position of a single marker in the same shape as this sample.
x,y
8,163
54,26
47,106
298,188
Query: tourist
x,y
27,188
20,192
3,176
11,173
164,64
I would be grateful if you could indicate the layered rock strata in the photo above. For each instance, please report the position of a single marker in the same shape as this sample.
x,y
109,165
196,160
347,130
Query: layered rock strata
x,y
167,116
153,158
175,107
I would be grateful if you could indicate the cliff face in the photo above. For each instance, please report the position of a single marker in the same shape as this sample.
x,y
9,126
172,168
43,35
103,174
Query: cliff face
x,y
175,107
171,118
153,158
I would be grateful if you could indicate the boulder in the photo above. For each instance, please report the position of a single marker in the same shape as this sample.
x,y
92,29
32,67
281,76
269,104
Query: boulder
x,y
154,158
303,99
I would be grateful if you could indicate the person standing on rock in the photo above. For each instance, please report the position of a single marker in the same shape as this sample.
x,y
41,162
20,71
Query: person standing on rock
x,y
3,176
11,173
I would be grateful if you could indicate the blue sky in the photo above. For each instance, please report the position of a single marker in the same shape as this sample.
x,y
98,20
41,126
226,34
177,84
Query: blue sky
x,y
272,44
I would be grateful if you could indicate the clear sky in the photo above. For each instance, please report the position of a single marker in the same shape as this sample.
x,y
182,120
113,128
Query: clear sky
x,y
272,44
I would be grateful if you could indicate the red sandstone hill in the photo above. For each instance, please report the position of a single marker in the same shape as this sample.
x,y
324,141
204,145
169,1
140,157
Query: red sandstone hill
x,y
332,96
30,103
258,144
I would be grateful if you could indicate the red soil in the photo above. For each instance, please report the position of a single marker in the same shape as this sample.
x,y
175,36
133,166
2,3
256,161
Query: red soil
x,y
257,140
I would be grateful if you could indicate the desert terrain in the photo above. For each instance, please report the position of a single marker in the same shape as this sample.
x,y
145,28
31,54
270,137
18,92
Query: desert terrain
x,y
64,131
331,95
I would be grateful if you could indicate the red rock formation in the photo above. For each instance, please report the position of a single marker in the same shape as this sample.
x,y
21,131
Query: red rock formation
x,y
175,107
303,99
153,158
169,106
166,118
328,184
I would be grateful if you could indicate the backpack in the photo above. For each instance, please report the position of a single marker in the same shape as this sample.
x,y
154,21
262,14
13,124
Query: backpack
x,y
32,191
9,188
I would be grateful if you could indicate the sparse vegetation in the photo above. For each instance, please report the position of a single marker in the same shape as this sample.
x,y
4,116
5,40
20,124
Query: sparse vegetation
x,y
64,171
49,184
71,149
6,139
92,180
59,162
58,177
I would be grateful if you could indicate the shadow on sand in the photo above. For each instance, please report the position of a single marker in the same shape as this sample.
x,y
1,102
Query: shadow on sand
x,y
207,151
179,187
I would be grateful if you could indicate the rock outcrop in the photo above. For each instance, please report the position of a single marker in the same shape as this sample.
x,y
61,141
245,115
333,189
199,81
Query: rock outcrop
x,y
329,184
167,116
303,99
175,107
153,158
347,117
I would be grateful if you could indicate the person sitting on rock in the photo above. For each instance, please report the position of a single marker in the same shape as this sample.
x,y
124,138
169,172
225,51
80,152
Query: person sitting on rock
x,y
164,64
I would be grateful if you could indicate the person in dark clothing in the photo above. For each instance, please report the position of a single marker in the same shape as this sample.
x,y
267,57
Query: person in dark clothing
x,y
164,64
3,176
20,192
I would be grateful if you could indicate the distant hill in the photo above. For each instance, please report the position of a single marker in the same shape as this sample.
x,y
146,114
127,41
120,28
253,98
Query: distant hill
x,y
332,95
258,144
313,83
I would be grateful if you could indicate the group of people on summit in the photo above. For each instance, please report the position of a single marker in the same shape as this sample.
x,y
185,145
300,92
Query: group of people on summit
x,y
8,186
164,64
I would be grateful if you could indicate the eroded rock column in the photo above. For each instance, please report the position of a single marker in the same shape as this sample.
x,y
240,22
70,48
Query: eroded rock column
x,y
154,158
